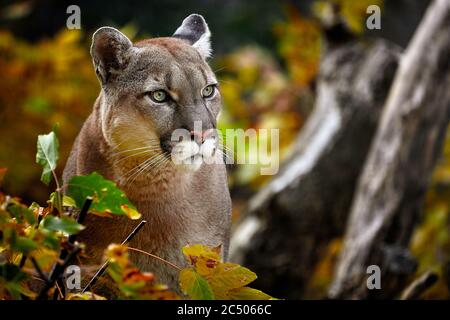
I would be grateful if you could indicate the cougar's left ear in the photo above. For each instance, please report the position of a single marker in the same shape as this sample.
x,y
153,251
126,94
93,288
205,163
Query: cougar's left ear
x,y
110,51
195,31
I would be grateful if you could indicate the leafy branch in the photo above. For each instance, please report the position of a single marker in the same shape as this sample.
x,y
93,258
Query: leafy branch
x,y
46,239
47,156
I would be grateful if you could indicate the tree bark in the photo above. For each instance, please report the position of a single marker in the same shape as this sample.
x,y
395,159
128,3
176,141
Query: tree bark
x,y
395,177
291,220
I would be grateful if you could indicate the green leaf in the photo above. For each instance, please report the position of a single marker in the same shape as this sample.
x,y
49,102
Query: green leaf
x,y
21,212
63,224
115,271
56,201
13,277
34,206
22,244
107,197
47,155
66,200
194,285
11,273
51,240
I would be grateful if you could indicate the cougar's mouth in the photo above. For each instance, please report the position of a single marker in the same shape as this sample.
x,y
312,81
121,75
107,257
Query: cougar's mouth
x,y
166,145
189,155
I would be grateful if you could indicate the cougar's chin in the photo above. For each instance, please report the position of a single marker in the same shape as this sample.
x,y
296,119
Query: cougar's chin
x,y
189,156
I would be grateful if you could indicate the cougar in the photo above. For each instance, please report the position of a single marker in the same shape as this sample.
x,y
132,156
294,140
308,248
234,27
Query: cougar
x,y
149,90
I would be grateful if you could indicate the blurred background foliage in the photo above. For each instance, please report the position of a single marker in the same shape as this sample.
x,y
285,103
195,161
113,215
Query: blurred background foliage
x,y
267,56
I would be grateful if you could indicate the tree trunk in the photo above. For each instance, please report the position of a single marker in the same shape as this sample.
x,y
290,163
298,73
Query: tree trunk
x,y
291,220
395,177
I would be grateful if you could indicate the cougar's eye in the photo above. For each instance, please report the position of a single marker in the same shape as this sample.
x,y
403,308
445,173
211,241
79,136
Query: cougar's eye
x,y
208,91
159,96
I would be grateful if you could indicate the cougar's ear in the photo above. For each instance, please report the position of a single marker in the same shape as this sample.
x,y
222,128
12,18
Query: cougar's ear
x,y
110,52
195,31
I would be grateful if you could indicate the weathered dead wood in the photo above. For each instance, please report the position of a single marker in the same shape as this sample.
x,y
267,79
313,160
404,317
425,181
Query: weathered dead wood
x,y
294,217
406,146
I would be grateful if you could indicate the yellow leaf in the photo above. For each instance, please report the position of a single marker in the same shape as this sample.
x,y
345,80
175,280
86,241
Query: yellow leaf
x,y
68,201
195,252
247,293
131,213
27,292
203,258
228,276
84,296
44,257
117,253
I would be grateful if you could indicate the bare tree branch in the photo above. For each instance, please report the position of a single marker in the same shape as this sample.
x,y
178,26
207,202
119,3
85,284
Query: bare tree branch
x,y
406,146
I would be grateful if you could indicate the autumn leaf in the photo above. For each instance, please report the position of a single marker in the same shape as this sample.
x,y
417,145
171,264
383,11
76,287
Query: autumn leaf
x,y
63,224
194,285
133,283
84,296
247,293
107,197
203,258
117,253
208,272
231,276
133,275
44,257
47,155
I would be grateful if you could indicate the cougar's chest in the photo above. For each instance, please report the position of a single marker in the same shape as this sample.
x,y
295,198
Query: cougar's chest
x,y
172,223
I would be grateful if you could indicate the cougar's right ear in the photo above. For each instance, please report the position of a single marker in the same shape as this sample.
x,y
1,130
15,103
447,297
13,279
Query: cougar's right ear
x,y
110,51
195,31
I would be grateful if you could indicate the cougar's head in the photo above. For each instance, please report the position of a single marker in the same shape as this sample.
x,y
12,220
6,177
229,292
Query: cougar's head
x,y
160,100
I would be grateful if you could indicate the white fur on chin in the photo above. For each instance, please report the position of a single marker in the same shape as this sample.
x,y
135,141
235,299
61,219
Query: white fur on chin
x,y
188,156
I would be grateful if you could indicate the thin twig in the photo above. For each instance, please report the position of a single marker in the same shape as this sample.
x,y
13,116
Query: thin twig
x,y
39,270
419,286
155,257
103,268
134,232
58,188
58,289
82,216
58,191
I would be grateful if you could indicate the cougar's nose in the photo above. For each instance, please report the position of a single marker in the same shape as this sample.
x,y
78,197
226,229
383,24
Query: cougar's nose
x,y
200,136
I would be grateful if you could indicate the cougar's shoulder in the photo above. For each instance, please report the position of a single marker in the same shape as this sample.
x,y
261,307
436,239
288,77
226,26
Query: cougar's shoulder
x,y
88,153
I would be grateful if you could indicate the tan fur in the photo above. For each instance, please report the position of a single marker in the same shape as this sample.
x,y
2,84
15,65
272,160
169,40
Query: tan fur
x,y
180,207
